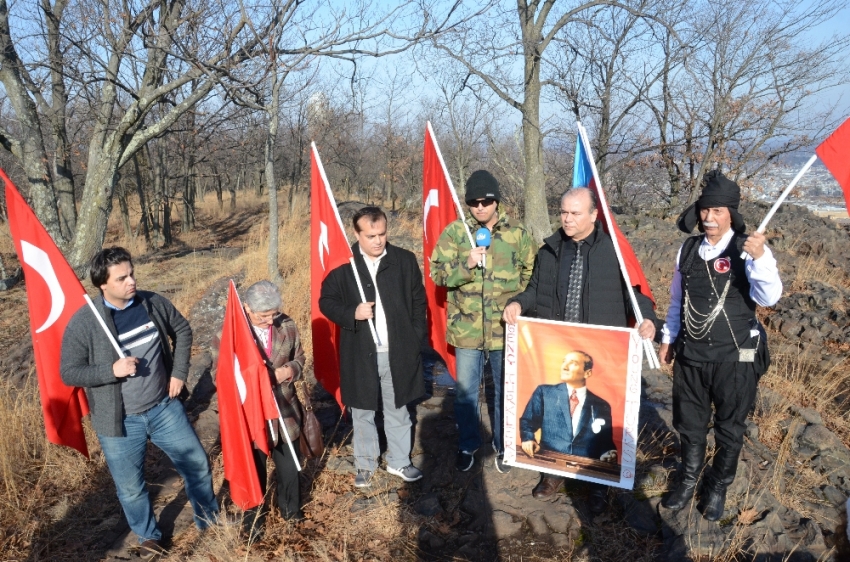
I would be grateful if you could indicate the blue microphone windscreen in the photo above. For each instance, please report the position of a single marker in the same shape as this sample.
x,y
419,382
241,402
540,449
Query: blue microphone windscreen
x,y
482,237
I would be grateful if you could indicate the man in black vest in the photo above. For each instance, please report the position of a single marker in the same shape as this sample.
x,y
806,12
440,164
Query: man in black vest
x,y
720,347
589,290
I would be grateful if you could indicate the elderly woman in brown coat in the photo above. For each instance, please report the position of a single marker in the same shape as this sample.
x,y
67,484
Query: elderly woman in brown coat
x,y
280,346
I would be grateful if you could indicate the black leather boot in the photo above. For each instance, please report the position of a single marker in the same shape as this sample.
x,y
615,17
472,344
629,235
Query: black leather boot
x,y
713,497
693,457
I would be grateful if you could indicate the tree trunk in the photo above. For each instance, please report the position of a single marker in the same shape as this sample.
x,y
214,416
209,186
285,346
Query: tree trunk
x,y
140,191
274,220
29,149
218,192
536,208
234,189
167,238
95,209
121,192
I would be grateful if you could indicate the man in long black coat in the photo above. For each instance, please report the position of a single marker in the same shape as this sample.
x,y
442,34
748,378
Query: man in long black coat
x,y
390,368
577,278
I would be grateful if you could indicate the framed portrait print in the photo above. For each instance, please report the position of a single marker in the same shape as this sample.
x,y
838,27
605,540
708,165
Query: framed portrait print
x,y
572,398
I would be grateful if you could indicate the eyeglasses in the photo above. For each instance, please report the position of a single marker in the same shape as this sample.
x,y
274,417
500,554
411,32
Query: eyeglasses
x,y
480,203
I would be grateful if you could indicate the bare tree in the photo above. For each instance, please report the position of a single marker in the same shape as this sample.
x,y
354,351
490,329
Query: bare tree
x,y
490,50
745,92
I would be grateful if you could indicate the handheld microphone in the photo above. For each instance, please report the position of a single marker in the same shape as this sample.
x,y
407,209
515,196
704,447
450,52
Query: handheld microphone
x,y
482,238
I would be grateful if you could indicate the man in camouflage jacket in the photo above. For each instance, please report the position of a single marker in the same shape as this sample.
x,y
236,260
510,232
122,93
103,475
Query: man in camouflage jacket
x,y
480,281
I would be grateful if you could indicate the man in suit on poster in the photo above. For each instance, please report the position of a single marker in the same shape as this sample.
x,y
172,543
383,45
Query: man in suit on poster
x,y
572,420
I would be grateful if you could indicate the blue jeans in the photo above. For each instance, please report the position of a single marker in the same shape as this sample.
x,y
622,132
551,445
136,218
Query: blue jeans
x,y
169,429
470,368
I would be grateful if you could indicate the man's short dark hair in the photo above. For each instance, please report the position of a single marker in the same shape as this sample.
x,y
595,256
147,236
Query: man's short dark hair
x,y
573,191
373,214
100,263
588,360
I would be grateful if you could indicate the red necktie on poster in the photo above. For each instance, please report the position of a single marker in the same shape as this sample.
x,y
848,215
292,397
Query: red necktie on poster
x,y
54,294
329,249
573,403
439,211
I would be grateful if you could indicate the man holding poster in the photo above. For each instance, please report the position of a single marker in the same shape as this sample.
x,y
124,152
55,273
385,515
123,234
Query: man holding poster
x,y
577,278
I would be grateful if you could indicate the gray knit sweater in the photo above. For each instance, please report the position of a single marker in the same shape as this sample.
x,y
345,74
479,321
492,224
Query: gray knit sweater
x,y
87,357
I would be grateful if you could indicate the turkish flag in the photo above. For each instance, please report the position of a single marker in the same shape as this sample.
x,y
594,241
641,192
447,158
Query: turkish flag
x,y
54,294
583,176
329,249
438,196
835,154
246,403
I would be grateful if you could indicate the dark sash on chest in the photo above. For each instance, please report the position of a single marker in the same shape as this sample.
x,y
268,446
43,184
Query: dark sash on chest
x,y
704,283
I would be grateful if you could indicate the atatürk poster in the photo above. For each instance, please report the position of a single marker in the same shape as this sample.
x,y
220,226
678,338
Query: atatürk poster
x,y
572,397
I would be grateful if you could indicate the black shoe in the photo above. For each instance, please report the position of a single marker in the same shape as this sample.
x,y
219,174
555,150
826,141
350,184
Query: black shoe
x,y
712,502
713,494
296,517
693,457
547,487
597,499
465,460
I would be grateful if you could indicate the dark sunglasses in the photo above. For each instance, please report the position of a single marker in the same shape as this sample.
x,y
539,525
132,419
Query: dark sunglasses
x,y
482,202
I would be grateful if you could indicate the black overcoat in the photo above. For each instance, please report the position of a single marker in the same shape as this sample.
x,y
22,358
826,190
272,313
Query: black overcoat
x,y
403,299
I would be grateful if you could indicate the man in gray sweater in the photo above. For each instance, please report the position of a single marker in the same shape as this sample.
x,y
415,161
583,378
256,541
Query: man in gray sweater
x,y
133,397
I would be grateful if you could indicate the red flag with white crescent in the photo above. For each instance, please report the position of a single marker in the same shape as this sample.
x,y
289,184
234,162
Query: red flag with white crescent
x,y
329,249
54,294
835,154
246,404
438,212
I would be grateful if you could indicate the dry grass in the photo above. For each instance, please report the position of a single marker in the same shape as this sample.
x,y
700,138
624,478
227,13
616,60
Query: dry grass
x,y
40,482
43,484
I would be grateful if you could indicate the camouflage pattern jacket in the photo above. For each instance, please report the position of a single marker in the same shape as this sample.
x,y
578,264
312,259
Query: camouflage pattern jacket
x,y
476,297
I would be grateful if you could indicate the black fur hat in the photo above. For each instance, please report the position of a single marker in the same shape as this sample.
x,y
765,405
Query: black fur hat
x,y
718,191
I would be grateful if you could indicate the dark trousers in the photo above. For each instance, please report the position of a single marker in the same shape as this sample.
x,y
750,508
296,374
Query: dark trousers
x,y
286,474
731,387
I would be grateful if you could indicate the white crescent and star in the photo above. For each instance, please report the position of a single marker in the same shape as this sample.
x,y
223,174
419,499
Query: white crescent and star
x,y
240,381
323,241
39,261
433,200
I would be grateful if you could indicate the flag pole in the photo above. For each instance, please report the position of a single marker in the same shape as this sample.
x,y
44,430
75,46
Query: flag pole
x,y
651,357
363,300
461,215
332,200
106,331
782,197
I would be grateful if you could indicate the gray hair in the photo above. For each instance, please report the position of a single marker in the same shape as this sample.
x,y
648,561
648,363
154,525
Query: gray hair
x,y
263,296
575,191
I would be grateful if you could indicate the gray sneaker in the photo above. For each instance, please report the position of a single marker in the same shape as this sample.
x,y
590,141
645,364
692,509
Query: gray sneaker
x,y
363,478
409,473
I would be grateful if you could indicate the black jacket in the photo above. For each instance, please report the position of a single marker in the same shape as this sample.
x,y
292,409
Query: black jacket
x,y
403,299
605,299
